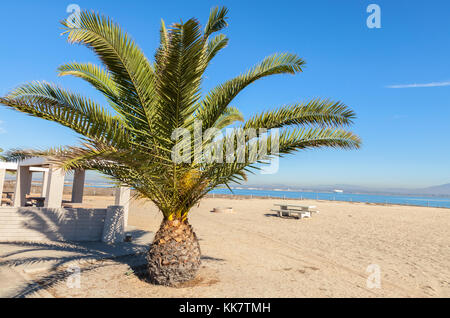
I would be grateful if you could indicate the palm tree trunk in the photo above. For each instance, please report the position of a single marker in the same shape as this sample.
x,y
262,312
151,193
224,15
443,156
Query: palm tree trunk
x,y
174,256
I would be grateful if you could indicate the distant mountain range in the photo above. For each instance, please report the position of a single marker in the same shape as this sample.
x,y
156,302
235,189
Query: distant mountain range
x,y
440,190
443,189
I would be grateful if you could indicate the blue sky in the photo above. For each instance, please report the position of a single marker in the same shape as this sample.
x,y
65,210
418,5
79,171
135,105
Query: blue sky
x,y
405,131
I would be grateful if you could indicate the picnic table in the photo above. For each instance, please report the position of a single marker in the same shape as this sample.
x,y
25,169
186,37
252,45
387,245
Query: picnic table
x,y
7,199
39,201
299,211
9,194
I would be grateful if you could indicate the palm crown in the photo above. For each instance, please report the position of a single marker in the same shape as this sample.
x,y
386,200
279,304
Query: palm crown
x,y
134,143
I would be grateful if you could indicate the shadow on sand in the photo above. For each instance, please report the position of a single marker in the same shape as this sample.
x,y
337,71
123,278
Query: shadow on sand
x,y
60,256
57,256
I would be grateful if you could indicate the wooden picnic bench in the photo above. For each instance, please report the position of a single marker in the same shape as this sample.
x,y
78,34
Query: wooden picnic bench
x,y
298,211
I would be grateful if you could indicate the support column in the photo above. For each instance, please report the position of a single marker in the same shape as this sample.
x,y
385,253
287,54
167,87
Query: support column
x,y
23,186
55,188
114,226
44,183
2,182
78,186
123,199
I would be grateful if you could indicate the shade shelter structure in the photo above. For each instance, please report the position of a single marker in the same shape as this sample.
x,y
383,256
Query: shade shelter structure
x,y
44,216
52,183
13,167
4,167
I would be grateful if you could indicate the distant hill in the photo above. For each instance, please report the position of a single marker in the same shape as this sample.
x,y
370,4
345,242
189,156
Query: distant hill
x,y
443,189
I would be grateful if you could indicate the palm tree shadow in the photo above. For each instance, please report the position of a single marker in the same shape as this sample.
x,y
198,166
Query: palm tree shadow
x,y
64,225
137,264
134,263
89,255
60,253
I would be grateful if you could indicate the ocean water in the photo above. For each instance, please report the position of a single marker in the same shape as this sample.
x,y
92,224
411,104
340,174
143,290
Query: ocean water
x,y
441,202
431,201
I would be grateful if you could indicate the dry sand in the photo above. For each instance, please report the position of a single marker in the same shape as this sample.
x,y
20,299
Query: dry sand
x,y
252,253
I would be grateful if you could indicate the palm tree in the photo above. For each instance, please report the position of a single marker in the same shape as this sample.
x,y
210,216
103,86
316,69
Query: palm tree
x,y
134,144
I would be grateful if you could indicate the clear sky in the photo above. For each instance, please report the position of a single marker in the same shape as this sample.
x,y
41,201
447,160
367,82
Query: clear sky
x,y
405,130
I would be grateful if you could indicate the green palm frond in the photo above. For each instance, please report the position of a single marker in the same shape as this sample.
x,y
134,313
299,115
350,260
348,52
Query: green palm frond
x,y
315,112
22,154
218,43
217,21
133,142
228,117
219,98
301,139
128,66
163,36
2,157
98,77
179,68
82,115
288,141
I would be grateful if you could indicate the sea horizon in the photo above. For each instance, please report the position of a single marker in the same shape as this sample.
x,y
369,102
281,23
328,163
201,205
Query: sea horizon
x,y
438,201
400,199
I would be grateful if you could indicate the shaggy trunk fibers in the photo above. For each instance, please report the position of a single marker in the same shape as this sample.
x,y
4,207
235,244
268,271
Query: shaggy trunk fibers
x,y
174,256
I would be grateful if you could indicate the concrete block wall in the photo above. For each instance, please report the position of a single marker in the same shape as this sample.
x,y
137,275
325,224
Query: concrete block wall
x,y
36,224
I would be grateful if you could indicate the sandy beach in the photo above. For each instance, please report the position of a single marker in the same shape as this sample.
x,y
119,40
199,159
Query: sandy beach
x,y
253,253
